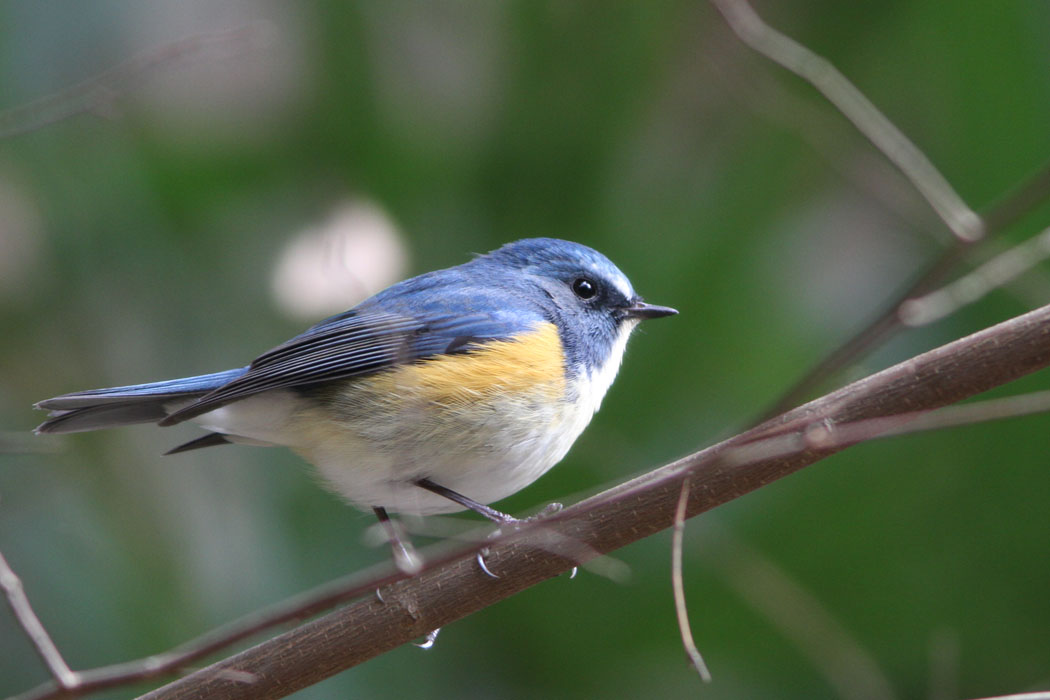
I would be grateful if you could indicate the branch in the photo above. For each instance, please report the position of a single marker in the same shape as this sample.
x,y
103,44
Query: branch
x,y
31,625
451,587
98,94
891,319
825,77
968,226
678,588
617,517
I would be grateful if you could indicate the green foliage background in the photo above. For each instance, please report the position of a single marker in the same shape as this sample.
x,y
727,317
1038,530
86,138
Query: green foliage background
x,y
721,185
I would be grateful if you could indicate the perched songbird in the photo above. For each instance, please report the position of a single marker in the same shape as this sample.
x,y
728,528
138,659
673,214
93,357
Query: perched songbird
x,y
447,391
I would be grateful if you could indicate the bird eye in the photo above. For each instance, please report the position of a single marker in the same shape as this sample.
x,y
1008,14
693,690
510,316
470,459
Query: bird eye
x,y
584,288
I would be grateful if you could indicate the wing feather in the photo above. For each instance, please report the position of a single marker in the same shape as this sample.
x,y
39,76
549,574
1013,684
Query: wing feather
x,y
351,344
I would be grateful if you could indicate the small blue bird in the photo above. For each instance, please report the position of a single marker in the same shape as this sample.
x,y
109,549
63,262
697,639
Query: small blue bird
x,y
447,391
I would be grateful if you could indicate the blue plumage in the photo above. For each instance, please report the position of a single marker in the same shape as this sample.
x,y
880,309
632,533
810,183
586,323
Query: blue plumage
x,y
471,380
126,405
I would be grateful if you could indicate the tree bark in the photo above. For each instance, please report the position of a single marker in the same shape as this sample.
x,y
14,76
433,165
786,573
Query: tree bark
x,y
621,515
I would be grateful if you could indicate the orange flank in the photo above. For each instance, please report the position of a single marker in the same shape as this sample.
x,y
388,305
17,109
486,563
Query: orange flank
x,y
531,363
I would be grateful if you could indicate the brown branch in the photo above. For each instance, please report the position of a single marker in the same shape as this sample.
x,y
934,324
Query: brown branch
x,y
1001,215
678,587
341,590
617,517
962,221
33,628
967,226
296,608
974,286
451,587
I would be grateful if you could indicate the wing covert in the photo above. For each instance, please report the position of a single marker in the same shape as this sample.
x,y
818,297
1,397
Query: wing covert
x,y
351,344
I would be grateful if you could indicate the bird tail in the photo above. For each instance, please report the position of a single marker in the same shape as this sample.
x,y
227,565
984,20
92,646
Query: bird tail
x,y
127,405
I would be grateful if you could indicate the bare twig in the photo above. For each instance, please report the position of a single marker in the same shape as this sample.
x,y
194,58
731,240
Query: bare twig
x,y
623,514
312,602
20,443
828,434
452,586
299,607
943,661
98,94
680,607
1003,214
23,611
785,443
823,131
723,472
818,71
995,273
968,226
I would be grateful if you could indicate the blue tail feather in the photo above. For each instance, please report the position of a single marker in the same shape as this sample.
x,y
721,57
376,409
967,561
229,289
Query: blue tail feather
x,y
126,405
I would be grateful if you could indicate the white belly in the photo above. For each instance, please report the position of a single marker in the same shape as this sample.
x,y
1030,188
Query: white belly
x,y
371,443
485,453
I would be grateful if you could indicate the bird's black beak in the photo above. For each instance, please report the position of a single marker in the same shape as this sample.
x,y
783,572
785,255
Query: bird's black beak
x,y
640,310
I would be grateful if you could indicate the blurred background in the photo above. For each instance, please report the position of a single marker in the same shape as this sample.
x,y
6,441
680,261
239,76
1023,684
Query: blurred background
x,y
207,199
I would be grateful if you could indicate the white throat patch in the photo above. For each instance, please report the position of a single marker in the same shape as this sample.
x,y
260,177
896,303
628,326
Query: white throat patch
x,y
594,385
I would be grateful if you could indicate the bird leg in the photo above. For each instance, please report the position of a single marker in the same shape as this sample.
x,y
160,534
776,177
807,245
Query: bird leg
x,y
405,557
498,517
480,508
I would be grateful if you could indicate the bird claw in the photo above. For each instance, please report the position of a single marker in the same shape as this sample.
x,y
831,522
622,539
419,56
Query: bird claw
x,y
481,562
428,639
513,524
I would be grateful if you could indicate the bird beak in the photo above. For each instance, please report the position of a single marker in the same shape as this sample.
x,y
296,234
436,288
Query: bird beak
x,y
640,310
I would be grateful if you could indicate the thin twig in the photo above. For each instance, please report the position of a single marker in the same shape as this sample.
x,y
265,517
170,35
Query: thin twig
x,y
823,131
895,399
818,71
963,221
943,662
299,607
1004,213
307,604
792,439
680,608
621,515
786,443
98,93
34,629
995,273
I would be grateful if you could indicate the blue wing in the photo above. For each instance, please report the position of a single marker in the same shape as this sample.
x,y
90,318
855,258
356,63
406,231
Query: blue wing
x,y
446,311
351,344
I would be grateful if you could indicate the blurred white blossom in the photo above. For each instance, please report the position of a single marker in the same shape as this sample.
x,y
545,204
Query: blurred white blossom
x,y
327,269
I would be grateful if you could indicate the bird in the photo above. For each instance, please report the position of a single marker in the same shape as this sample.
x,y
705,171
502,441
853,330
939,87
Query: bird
x,y
442,393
